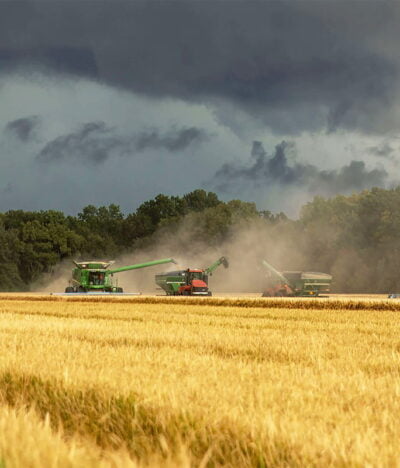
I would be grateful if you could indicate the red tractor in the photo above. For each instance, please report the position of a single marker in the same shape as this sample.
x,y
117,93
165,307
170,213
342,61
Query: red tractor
x,y
189,282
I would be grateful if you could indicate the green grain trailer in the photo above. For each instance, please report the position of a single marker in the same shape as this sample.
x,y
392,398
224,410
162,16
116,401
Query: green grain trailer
x,y
295,283
189,282
95,276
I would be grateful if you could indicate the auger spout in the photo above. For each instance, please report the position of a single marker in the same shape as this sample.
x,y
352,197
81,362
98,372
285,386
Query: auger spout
x,y
141,265
215,265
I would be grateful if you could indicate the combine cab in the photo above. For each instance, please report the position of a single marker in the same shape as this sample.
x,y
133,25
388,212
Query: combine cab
x,y
96,277
295,283
189,282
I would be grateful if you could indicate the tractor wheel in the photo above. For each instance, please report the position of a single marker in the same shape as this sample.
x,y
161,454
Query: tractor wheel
x,y
186,293
69,289
81,289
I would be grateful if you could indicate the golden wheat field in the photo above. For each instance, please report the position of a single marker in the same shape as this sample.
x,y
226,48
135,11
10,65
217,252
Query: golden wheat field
x,y
148,381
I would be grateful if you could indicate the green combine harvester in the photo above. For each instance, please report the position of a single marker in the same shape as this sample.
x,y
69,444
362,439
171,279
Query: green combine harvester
x,y
95,276
295,283
189,282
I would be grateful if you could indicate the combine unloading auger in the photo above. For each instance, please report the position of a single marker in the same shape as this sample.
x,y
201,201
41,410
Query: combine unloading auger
x,y
96,276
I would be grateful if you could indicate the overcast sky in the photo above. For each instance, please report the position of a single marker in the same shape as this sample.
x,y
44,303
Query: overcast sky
x,y
274,102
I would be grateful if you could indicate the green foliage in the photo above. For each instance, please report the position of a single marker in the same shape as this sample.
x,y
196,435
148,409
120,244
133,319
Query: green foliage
x,y
355,238
32,243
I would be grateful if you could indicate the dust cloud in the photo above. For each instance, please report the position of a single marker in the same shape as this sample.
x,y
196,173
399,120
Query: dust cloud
x,y
56,280
245,245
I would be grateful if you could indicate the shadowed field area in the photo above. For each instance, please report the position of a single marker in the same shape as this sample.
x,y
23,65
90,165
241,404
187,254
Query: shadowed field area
x,y
186,382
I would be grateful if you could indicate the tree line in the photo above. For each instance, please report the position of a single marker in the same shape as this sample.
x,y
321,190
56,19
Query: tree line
x,y
355,238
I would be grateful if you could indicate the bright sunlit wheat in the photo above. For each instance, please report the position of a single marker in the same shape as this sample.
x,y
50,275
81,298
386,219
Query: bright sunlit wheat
x,y
239,382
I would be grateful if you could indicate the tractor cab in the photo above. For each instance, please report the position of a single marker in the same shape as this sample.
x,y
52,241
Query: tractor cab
x,y
196,276
197,281
96,278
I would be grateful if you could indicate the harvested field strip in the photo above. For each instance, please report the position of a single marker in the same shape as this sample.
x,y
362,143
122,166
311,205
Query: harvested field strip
x,y
265,303
200,314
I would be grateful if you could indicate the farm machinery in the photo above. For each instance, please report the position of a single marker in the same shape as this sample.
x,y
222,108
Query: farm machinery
x,y
295,283
95,276
189,282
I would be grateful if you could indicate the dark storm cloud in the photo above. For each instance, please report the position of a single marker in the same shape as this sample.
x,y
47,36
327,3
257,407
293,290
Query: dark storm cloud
x,y
281,169
174,140
71,60
23,128
92,143
95,142
295,65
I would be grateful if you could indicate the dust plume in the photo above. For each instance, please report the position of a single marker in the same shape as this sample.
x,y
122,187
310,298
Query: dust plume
x,y
244,245
56,280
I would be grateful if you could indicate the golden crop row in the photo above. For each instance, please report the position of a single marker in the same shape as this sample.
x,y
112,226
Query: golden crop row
x,y
311,303
196,383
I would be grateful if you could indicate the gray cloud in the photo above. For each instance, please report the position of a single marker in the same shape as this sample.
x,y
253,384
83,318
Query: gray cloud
x,y
95,142
8,189
385,150
294,65
64,59
282,170
174,140
92,143
23,128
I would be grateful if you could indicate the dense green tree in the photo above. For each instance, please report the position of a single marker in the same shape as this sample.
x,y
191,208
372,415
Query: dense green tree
x,y
10,251
199,200
356,238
